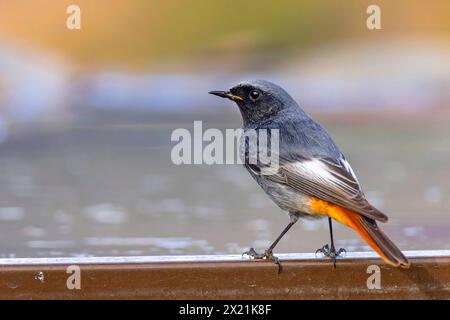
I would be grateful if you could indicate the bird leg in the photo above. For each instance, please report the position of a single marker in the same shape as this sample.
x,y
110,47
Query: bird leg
x,y
268,253
330,251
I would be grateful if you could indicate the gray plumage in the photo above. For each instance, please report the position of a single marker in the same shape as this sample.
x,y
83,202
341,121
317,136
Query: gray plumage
x,y
301,140
311,166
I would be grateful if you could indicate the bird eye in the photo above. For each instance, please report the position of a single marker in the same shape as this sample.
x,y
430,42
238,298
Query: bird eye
x,y
254,94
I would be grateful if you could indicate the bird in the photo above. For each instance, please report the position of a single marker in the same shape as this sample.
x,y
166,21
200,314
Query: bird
x,y
313,179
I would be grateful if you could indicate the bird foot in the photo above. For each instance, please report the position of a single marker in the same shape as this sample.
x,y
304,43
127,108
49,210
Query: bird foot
x,y
331,252
268,254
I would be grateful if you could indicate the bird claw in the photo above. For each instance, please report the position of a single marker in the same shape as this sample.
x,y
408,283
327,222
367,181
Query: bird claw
x,y
324,250
268,254
331,253
253,254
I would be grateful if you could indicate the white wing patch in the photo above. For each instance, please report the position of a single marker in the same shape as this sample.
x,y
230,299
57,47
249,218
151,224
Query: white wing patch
x,y
321,171
348,168
312,168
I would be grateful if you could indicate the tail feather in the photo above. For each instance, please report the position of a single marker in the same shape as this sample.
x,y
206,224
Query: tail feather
x,y
368,229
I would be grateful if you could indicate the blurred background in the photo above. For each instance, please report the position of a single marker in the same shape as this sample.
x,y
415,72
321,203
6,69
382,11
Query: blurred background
x,y
86,117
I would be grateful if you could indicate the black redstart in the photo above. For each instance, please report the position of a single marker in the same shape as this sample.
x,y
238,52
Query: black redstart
x,y
313,179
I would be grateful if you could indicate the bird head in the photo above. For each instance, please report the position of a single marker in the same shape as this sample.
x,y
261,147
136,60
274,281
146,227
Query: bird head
x,y
258,100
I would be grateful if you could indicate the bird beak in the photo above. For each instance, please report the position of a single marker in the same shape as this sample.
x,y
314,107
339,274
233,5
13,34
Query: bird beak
x,y
226,94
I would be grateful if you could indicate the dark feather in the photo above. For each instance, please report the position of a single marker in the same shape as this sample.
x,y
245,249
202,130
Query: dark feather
x,y
343,189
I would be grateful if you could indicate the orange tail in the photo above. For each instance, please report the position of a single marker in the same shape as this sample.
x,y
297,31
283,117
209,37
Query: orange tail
x,y
368,229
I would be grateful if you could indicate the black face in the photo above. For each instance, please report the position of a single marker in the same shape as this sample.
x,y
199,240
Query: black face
x,y
249,94
256,104
257,100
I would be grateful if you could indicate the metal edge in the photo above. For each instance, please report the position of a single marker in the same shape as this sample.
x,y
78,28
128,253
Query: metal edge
x,y
200,258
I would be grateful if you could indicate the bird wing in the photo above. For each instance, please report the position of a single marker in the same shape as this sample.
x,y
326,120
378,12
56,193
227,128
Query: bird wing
x,y
327,179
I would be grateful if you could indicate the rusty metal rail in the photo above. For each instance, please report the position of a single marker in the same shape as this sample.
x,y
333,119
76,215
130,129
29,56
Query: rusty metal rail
x,y
225,277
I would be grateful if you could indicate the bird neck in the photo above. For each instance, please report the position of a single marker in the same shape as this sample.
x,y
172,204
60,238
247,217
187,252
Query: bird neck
x,y
257,120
